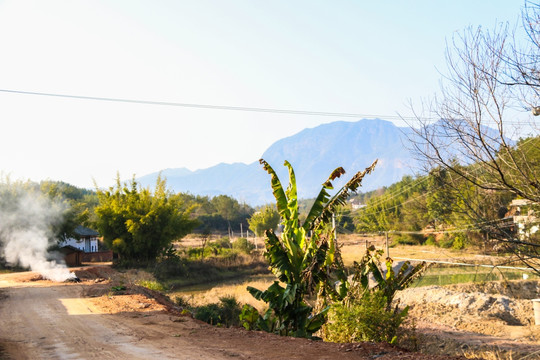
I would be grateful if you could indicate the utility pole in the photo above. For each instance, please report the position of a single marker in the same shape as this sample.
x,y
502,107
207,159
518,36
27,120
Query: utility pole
x,y
241,231
387,248
334,225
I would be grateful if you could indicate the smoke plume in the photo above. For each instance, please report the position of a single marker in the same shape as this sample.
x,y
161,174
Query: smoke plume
x,y
26,219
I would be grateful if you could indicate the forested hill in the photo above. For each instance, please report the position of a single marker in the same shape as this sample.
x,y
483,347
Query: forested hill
x,y
314,153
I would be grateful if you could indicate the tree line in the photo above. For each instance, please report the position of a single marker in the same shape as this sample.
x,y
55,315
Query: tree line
x,y
136,222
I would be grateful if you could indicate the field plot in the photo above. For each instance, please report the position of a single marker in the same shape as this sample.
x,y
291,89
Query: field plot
x,y
454,310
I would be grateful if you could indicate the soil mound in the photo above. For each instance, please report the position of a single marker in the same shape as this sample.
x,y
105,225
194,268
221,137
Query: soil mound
x,y
497,315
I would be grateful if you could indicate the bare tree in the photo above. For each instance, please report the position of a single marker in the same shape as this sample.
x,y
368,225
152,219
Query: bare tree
x,y
523,59
492,77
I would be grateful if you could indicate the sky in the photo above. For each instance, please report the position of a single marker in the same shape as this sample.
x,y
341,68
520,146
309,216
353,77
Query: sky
x,y
371,58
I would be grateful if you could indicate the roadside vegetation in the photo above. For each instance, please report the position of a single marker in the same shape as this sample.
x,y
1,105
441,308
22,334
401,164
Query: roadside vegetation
x,y
314,285
311,287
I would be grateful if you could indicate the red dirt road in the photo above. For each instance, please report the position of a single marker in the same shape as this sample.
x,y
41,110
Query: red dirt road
x,y
46,320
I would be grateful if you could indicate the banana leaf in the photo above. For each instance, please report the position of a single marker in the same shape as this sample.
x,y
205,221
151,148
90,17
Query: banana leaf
x,y
321,199
277,190
317,321
282,266
340,198
292,197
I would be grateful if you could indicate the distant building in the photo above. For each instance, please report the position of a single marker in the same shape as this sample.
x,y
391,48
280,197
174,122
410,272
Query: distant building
x,y
524,217
87,242
356,204
72,255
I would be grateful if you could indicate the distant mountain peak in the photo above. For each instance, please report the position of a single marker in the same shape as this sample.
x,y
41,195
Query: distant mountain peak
x,y
314,153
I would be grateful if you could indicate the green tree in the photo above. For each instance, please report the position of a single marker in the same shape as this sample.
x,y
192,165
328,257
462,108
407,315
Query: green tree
x,y
265,219
139,224
387,209
221,213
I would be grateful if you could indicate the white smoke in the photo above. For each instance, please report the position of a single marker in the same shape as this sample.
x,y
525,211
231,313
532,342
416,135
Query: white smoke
x,y
26,218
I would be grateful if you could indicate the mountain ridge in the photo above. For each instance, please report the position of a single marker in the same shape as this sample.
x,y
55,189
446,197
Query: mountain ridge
x,y
313,153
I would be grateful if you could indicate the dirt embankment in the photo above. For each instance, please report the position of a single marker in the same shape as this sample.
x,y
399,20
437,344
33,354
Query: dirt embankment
x,y
496,316
40,319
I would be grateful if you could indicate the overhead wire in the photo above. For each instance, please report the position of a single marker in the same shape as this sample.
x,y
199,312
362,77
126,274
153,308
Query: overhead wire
x,y
413,119
214,107
384,199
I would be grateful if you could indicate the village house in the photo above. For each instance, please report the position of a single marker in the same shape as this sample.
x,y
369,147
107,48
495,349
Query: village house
x,y
356,204
87,242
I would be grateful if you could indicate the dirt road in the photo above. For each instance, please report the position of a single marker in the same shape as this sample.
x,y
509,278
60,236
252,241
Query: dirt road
x,y
46,320
54,322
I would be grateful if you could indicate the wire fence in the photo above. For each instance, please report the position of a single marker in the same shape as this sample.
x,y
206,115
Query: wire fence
x,y
450,267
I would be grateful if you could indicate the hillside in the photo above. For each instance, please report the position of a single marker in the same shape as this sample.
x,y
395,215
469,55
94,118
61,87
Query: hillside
x,y
314,153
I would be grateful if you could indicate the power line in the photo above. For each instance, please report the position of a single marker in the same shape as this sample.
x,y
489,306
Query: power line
x,y
401,204
214,107
412,119
387,197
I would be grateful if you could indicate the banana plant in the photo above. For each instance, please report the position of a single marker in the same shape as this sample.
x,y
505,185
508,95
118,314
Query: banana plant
x,y
306,257
371,275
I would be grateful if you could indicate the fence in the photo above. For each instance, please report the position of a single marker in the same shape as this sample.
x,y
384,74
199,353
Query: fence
x,y
100,256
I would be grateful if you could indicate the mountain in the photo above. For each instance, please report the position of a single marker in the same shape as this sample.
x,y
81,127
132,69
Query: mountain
x,y
314,153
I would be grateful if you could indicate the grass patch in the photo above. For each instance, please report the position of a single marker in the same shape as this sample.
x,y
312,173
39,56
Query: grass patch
x,y
152,285
451,275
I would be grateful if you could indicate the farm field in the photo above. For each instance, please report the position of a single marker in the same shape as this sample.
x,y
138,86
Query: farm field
x,y
454,310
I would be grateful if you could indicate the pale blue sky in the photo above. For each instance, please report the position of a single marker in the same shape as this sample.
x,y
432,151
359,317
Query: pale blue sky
x,y
336,56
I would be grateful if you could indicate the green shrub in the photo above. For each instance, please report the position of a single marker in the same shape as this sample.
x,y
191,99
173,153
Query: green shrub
x,y
183,302
447,241
364,320
431,240
194,252
243,245
152,285
460,241
118,288
456,241
169,267
221,243
226,312
208,313
248,317
230,311
125,263
212,249
408,239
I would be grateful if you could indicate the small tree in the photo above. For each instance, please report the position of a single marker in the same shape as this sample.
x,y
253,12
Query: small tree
x,y
139,224
265,219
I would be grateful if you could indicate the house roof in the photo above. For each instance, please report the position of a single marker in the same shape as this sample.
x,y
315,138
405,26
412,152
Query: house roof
x,y
69,249
84,231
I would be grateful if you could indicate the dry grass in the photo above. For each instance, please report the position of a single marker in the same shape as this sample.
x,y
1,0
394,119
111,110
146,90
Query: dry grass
x,y
134,276
198,296
354,247
490,355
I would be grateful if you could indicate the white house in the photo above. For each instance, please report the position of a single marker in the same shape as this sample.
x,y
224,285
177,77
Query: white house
x,y
525,218
356,204
87,242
